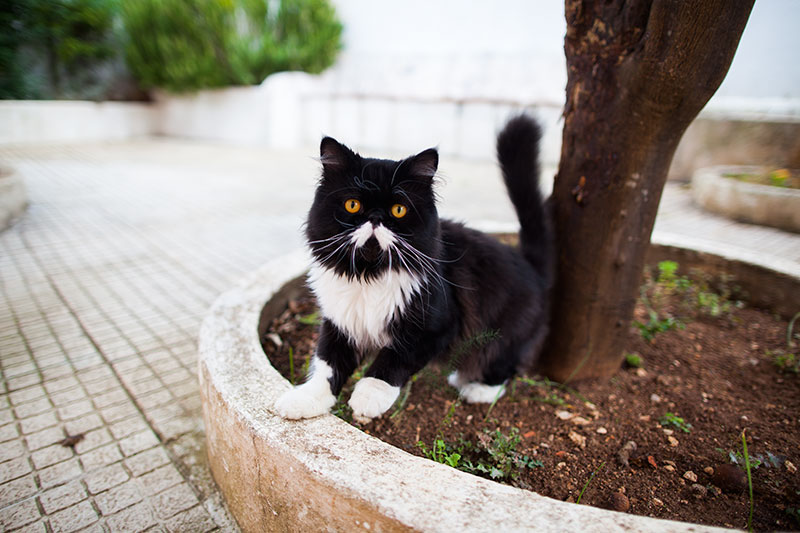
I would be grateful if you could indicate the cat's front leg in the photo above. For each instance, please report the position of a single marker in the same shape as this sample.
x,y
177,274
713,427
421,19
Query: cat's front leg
x,y
330,367
375,393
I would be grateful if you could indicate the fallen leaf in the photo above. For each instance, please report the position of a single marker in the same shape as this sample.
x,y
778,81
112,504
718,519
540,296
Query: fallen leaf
x,y
71,440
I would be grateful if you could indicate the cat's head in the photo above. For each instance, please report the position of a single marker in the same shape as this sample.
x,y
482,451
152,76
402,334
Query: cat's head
x,y
370,215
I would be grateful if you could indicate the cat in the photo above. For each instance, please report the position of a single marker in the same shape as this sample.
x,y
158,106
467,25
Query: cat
x,y
396,283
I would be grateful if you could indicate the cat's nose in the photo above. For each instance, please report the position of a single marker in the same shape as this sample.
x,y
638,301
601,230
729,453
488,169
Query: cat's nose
x,y
375,216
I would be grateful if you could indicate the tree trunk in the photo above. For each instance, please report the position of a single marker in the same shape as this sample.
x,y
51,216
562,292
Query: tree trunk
x,y
638,74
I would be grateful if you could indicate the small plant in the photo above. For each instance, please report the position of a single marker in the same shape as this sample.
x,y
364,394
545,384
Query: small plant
x,y
589,481
749,480
441,452
312,319
671,419
634,360
787,359
657,325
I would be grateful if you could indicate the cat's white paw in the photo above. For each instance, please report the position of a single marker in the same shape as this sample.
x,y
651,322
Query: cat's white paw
x,y
304,402
481,393
372,397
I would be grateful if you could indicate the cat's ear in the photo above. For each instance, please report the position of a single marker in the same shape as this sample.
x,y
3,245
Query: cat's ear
x,y
425,163
334,155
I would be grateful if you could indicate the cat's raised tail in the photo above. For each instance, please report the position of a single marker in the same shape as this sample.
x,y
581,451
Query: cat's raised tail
x,y
518,155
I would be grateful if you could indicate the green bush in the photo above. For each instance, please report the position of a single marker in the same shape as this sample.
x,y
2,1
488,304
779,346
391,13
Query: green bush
x,y
185,45
57,48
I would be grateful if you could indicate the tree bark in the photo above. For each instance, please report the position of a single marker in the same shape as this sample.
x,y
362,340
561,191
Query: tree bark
x,y
638,73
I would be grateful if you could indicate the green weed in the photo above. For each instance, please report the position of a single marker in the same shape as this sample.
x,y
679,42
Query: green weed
x,y
657,325
671,419
786,359
312,319
634,360
749,480
591,477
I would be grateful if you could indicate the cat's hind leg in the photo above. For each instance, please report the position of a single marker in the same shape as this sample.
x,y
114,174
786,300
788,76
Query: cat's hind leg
x,y
476,392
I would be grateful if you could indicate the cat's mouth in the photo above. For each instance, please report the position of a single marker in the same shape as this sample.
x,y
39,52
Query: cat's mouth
x,y
371,251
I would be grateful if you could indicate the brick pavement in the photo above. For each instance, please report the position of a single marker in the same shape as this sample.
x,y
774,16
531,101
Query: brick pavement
x,y
103,284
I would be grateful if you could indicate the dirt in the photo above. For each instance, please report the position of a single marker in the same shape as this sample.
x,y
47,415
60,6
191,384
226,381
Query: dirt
x,y
685,408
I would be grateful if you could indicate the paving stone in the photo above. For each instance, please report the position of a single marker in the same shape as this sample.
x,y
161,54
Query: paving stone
x,y
174,500
83,424
74,518
62,497
16,490
26,395
100,457
60,473
195,519
119,412
75,410
138,442
51,455
43,438
106,478
118,498
61,385
140,517
14,468
38,422
146,461
8,432
18,515
11,450
160,479
32,408
93,439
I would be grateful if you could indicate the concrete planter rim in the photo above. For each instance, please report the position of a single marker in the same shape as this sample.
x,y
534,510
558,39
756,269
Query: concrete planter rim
x,y
398,490
754,203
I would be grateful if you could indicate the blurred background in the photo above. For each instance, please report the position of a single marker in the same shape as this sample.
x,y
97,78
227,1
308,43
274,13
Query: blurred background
x,y
380,76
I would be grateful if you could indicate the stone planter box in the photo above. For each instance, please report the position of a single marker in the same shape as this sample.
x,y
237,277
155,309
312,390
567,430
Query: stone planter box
x,y
323,474
746,202
13,198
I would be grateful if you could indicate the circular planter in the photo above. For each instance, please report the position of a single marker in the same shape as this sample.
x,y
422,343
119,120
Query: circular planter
x,y
13,198
322,473
747,202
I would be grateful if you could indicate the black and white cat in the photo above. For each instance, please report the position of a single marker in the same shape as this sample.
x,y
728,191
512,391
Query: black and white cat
x,y
396,283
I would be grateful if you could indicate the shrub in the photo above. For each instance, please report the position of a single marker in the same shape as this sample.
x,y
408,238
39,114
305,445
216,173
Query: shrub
x,y
57,48
185,45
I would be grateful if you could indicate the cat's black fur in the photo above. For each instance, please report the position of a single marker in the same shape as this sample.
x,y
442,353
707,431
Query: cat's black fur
x,y
473,287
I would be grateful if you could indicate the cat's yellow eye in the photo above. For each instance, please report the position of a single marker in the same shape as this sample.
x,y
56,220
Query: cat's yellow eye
x,y
399,210
352,205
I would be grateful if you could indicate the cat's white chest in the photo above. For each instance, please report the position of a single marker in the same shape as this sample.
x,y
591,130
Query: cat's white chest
x,y
363,310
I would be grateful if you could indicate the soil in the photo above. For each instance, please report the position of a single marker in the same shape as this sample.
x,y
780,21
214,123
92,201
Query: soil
x,y
685,408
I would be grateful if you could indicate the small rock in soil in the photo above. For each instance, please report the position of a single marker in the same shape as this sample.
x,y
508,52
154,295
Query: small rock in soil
x,y
672,441
690,476
564,415
658,502
790,467
624,453
602,430
580,421
709,470
698,490
729,478
669,468
578,439
655,398
619,502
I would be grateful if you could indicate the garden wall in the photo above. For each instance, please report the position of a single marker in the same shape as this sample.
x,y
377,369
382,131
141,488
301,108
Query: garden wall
x,y
66,121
